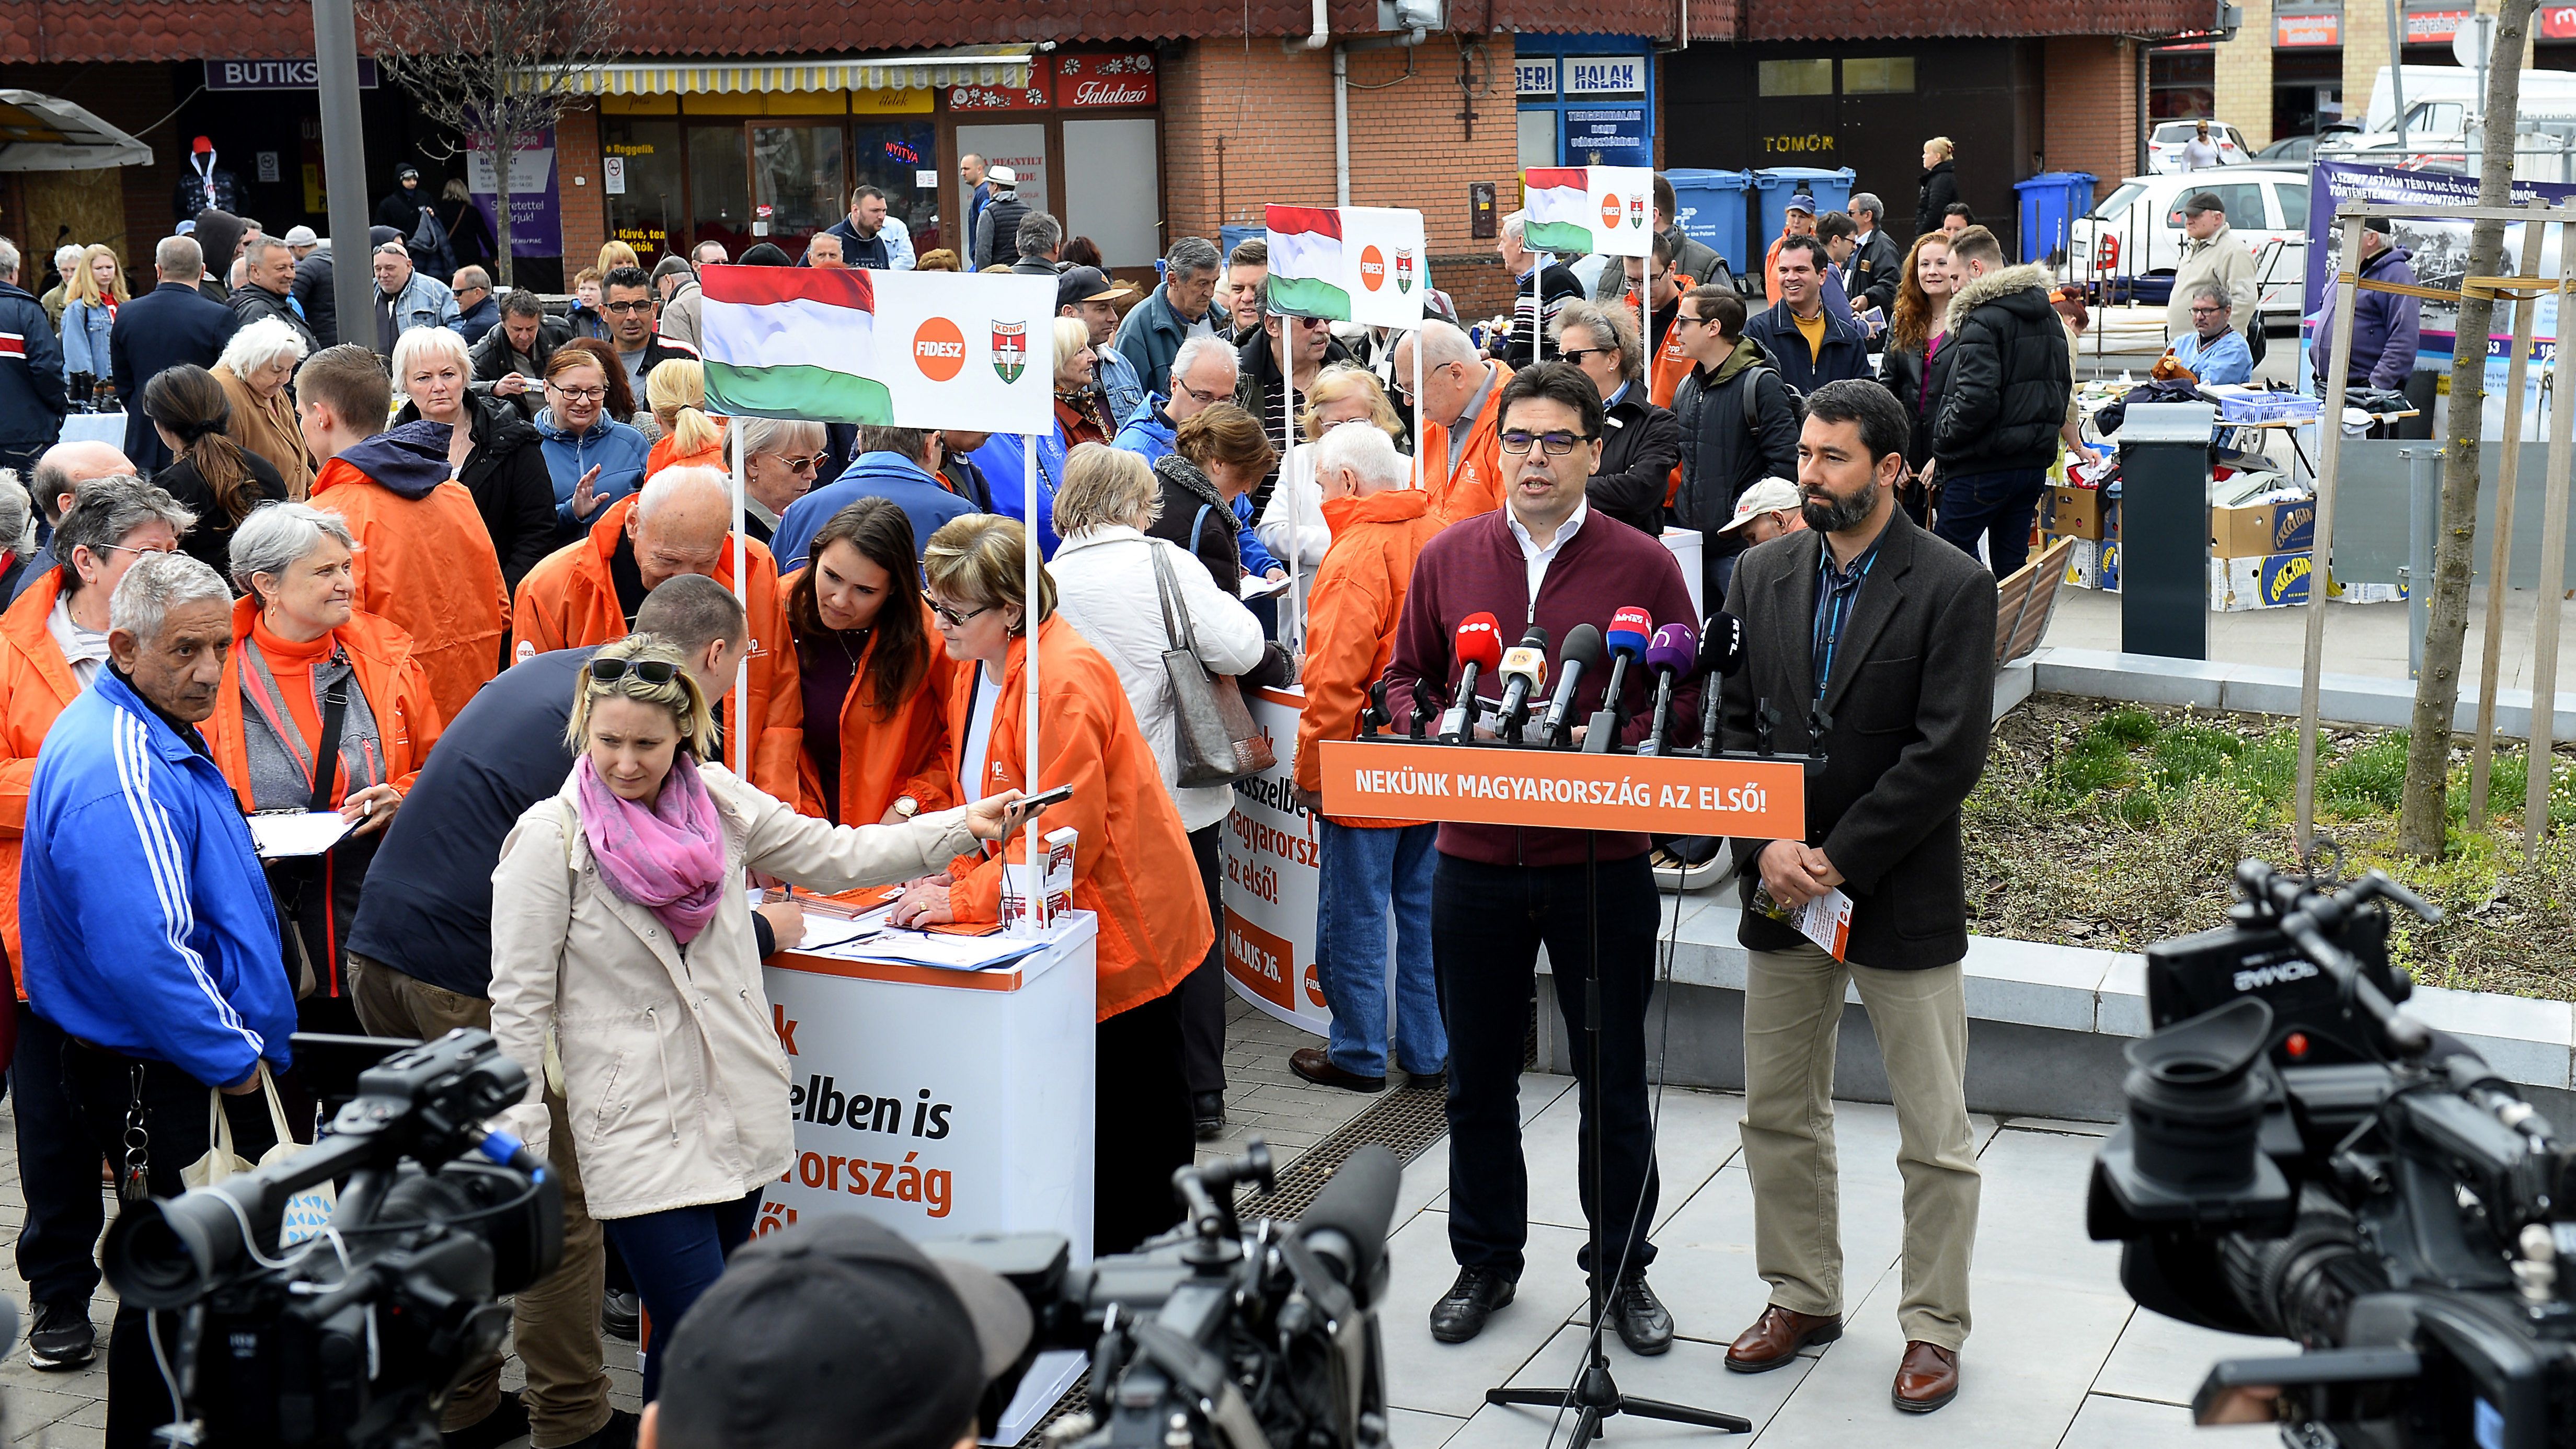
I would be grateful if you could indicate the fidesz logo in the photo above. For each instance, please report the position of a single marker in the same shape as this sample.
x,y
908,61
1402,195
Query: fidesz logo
x,y
2258,977
1372,268
939,349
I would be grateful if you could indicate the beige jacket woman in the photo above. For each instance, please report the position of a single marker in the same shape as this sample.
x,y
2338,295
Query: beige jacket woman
x,y
672,1072
268,429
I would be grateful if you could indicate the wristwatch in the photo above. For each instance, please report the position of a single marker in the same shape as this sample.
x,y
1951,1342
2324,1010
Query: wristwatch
x,y
906,806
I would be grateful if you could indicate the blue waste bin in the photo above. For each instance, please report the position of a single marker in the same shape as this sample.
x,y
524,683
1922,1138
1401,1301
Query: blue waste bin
x,y
1709,208
1228,237
2050,202
1774,185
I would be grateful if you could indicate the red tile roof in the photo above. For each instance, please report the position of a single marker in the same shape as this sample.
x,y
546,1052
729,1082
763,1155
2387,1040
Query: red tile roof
x,y
170,30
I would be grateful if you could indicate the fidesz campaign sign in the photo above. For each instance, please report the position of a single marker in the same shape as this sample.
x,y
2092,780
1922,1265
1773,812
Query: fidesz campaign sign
x,y
901,349
2436,249
1271,879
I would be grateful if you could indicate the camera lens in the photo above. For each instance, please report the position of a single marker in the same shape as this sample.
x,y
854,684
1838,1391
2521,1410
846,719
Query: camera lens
x,y
2195,1101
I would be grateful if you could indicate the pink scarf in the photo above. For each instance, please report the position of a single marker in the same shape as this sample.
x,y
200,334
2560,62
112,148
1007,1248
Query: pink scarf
x,y
669,859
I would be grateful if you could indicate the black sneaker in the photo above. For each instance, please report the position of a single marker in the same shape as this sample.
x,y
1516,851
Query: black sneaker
x,y
1476,1296
617,1433
62,1339
621,1315
507,1421
1639,1317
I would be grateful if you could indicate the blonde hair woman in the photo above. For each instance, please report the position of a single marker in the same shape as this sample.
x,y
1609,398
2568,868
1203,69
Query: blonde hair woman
x,y
1344,392
1131,863
620,928
676,391
1940,185
91,295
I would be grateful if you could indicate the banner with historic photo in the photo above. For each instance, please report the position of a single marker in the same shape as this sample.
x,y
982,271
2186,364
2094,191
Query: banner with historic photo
x,y
2437,250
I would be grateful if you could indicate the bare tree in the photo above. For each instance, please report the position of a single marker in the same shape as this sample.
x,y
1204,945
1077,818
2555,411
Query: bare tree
x,y
497,72
2423,815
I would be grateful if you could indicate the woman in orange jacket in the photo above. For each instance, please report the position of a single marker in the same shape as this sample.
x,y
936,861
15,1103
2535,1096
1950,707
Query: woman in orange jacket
x,y
1131,864
676,391
311,677
866,656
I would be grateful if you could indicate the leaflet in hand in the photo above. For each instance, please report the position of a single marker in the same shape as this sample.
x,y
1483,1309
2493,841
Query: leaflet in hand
x,y
289,833
1260,588
1825,920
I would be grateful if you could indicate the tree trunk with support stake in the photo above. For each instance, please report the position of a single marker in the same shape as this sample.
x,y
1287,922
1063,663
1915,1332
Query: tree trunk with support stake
x,y
2424,814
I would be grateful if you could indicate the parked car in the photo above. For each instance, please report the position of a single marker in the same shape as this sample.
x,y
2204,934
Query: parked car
x,y
2164,148
2133,239
2298,150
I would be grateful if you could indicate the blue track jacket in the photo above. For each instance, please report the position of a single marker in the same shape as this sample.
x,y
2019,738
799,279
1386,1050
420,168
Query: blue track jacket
x,y
147,924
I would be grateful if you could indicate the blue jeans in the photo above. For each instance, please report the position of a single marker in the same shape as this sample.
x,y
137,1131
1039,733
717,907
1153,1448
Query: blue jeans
x,y
676,1255
1363,871
2000,505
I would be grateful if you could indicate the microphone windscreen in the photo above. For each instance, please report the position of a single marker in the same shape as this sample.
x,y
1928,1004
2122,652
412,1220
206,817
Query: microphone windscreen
x,y
1674,647
1479,642
1628,630
1582,646
1721,646
1536,639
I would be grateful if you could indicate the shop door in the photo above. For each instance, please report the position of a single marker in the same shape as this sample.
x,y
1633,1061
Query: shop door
x,y
901,158
1111,186
797,175
1023,148
720,189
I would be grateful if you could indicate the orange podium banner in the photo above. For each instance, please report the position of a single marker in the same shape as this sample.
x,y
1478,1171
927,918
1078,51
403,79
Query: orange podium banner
x,y
1564,790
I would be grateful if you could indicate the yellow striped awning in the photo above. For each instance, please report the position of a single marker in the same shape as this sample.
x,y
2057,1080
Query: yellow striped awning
x,y
984,65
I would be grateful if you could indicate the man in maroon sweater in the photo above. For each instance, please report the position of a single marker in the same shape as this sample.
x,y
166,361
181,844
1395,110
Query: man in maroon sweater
x,y
1500,892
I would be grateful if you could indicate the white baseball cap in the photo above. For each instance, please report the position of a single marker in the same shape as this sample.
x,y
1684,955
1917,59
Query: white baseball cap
x,y
301,236
1771,495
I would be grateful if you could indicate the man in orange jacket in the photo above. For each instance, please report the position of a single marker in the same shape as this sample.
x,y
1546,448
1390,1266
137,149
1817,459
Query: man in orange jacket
x,y
587,592
1379,526
1462,465
1663,281
53,645
424,560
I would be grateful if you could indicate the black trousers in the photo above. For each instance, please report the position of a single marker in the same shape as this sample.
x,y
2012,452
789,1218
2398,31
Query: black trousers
x,y
1201,997
57,1171
174,1114
1142,1131
1487,923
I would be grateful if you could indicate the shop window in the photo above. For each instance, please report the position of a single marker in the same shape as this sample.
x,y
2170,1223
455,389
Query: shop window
x,y
2181,85
796,173
720,189
901,158
1111,171
1880,76
1538,137
642,213
1795,78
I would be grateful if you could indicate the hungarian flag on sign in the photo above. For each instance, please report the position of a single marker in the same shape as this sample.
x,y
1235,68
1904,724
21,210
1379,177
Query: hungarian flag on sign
x,y
792,342
1306,267
1560,198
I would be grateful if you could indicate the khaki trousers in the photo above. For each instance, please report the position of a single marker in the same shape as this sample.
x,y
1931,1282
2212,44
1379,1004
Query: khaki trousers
x,y
1793,1001
554,1322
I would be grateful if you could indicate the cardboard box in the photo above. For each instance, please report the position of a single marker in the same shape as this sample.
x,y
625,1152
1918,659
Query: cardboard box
x,y
2094,564
2256,530
2079,513
2267,581
2363,593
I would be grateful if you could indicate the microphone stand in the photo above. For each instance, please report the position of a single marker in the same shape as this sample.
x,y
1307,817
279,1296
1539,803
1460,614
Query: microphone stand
x,y
1595,1396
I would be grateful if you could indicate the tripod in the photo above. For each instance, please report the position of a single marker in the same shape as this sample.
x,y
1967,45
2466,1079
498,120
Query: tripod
x,y
1595,1395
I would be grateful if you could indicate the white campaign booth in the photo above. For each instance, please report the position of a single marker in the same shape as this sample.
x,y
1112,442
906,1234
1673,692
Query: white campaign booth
x,y
942,1102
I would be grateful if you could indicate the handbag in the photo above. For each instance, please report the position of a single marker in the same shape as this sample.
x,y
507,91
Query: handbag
x,y
1213,736
309,1210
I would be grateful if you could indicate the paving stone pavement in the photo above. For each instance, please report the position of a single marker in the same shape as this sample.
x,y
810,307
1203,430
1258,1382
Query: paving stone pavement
x,y
2059,1358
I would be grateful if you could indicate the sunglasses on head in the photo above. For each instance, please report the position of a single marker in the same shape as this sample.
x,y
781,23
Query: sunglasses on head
x,y
651,671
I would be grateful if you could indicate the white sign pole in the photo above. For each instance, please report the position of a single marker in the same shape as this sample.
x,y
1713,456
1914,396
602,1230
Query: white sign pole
x,y
1034,876
1419,417
742,592
1296,618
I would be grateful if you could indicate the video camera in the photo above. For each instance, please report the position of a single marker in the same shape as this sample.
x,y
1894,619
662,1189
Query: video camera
x,y
354,1338
2303,1160
1216,1335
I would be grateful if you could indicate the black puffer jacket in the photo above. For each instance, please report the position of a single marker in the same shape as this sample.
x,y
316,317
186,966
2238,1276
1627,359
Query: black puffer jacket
x,y
1721,457
2003,378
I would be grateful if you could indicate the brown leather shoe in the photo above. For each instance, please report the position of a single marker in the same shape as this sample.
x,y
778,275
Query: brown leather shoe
x,y
1926,1378
1776,1337
1315,1066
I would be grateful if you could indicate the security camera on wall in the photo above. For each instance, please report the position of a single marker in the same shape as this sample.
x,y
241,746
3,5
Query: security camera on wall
x,y
1412,15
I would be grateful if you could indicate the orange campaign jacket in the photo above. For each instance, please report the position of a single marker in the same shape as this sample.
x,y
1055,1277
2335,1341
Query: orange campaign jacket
x,y
1351,616
1478,484
389,674
569,600
426,565
36,684
665,453
884,758
1132,862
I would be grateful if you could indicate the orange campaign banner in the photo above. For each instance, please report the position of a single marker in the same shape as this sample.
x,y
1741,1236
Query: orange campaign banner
x,y
1563,790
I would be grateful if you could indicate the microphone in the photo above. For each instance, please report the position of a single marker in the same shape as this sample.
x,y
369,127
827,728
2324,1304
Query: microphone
x,y
1627,638
1524,671
1721,654
1582,652
1478,645
1346,1225
1673,654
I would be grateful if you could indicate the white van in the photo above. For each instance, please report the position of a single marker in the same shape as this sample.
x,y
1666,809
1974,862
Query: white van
x,y
2454,92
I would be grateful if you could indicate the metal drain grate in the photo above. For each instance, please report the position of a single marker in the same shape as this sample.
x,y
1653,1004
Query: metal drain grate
x,y
1405,1121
